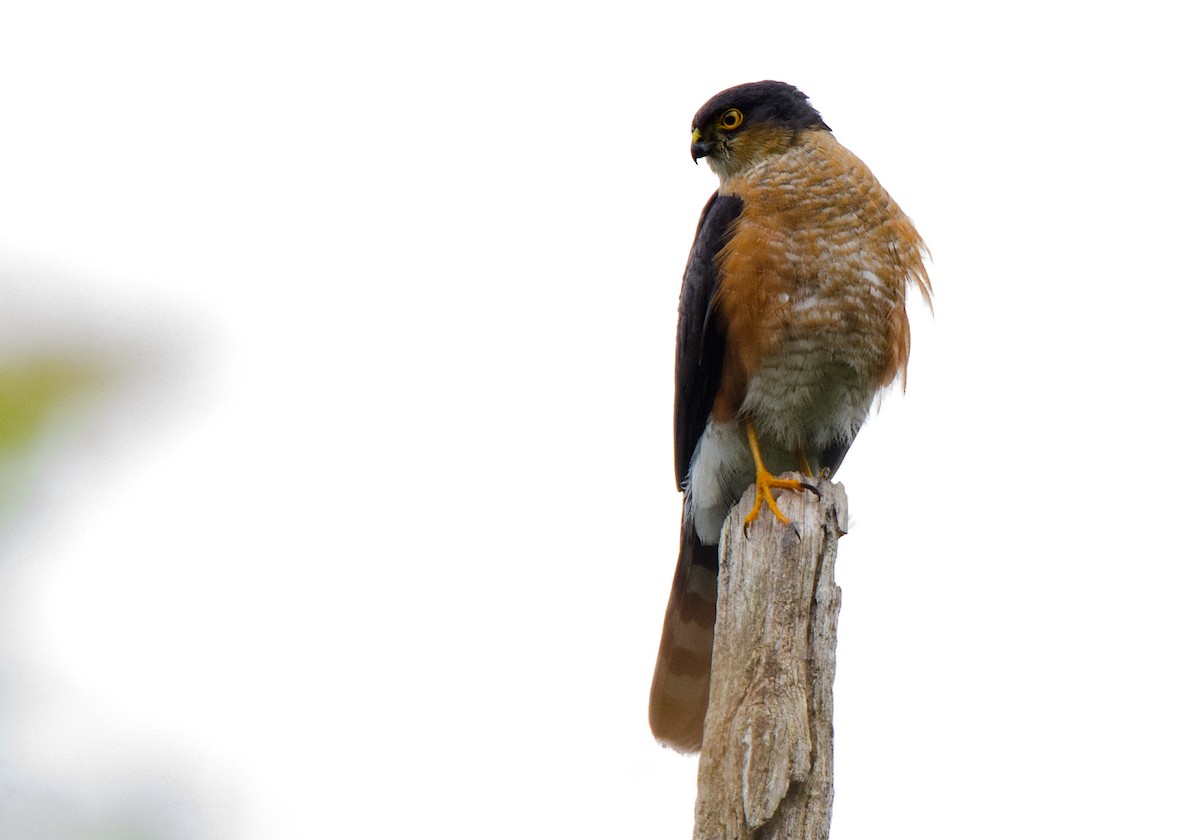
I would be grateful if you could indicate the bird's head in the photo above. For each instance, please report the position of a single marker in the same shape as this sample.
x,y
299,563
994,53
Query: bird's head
x,y
741,126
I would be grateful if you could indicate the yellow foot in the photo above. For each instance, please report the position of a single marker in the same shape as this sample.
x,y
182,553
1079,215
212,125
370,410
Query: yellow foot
x,y
764,483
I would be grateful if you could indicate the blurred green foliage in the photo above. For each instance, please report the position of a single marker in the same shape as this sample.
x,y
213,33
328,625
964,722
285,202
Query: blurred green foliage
x,y
33,391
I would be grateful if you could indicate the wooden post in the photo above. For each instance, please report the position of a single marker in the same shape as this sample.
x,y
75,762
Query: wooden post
x,y
766,767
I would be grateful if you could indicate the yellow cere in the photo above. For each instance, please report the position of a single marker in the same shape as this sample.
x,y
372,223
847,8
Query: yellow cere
x,y
695,135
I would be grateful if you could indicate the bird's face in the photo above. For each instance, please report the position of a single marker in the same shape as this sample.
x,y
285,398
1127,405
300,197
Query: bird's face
x,y
744,125
731,144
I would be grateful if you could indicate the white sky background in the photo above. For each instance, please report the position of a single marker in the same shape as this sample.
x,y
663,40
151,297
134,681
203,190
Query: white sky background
x,y
375,539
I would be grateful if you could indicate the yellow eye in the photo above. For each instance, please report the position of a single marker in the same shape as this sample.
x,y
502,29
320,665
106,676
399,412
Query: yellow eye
x,y
731,119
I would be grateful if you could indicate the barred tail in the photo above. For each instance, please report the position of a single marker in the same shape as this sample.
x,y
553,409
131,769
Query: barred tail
x,y
679,693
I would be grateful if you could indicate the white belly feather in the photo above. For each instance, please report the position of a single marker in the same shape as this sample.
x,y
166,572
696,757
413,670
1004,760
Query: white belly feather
x,y
812,391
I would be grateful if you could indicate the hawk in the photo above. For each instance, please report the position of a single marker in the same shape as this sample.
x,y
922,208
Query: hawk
x,y
791,322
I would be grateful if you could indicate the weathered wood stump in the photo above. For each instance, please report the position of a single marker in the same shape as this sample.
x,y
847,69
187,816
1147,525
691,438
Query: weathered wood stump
x,y
766,767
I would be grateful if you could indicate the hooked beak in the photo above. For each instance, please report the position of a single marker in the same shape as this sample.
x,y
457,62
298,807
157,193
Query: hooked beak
x,y
700,148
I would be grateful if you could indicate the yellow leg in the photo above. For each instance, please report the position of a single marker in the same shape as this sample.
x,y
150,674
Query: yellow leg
x,y
764,482
804,467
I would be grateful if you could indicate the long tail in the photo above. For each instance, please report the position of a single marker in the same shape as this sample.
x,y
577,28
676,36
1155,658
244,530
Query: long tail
x,y
679,693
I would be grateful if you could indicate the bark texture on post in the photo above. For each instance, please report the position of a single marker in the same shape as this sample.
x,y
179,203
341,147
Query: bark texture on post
x,y
766,767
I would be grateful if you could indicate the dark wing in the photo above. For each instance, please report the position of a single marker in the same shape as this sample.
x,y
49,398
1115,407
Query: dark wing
x,y
679,693
700,342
